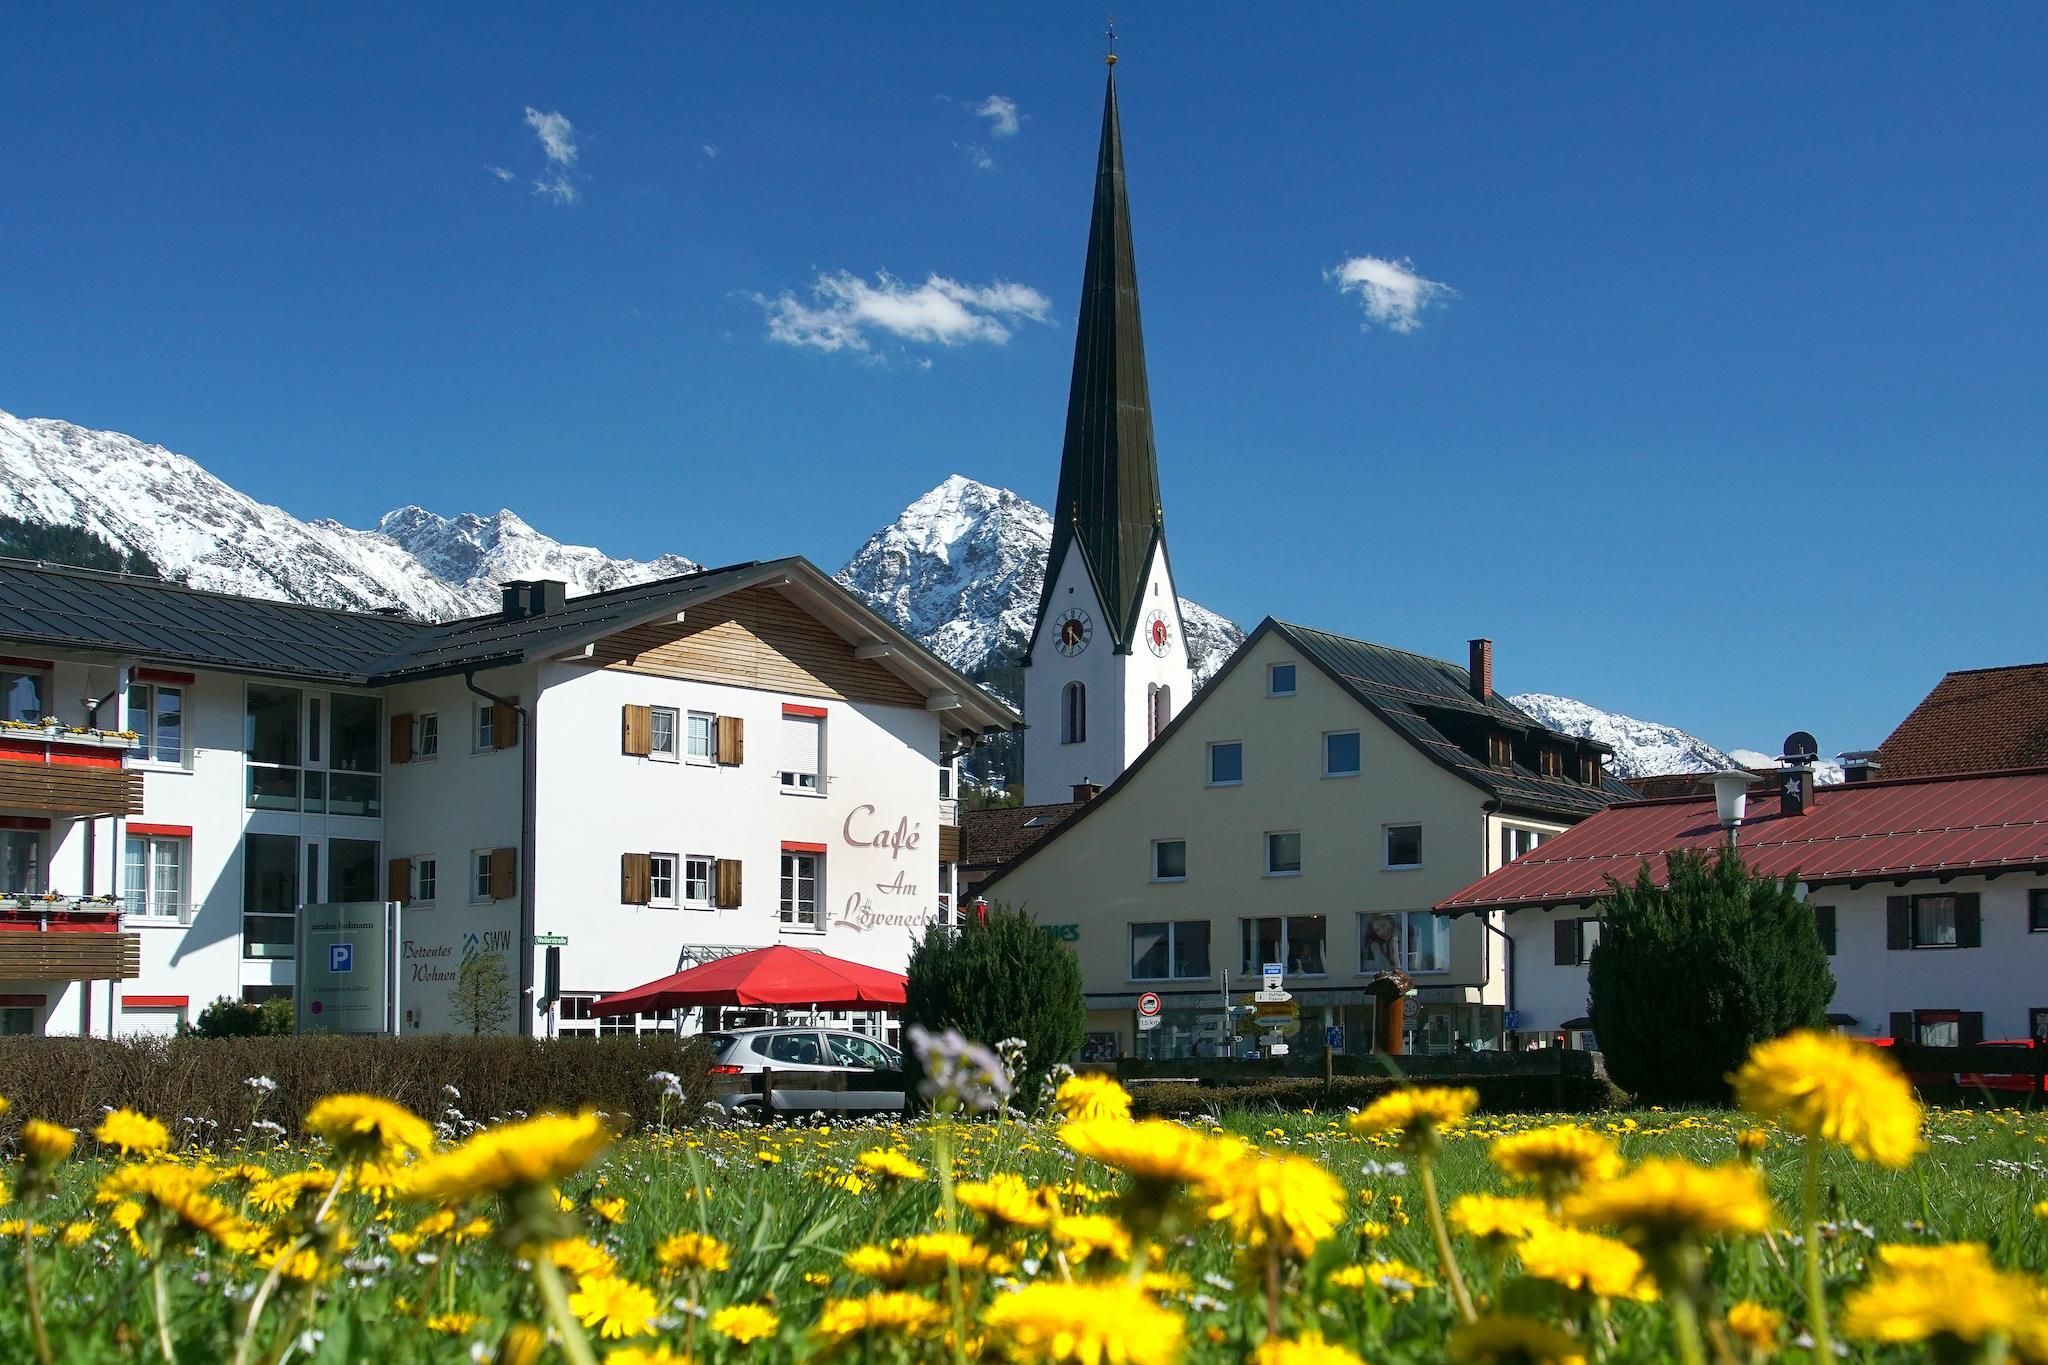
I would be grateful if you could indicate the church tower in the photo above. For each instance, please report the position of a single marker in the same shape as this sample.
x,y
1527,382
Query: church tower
x,y
1108,664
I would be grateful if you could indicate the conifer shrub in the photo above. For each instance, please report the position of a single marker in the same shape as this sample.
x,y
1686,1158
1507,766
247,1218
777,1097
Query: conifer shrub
x,y
996,978
1687,977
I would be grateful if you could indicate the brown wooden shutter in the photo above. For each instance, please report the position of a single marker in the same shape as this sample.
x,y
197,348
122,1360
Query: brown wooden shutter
x,y
505,723
1970,1028
732,741
504,873
636,878
398,880
1902,1026
1565,943
638,724
725,880
401,737
1898,922
1969,921
1824,925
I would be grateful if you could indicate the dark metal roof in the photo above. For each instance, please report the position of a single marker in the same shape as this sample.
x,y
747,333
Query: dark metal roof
x,y
1108,499
81,609
1413,693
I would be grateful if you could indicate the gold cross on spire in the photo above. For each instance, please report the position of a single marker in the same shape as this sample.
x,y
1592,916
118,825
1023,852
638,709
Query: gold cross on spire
x,y
1110,31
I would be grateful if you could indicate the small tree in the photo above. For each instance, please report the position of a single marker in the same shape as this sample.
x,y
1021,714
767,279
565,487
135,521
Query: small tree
x,y
1687,977
996,978
226,1018
482,987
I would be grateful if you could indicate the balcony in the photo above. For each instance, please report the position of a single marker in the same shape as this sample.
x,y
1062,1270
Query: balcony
x,y
64,938
55,770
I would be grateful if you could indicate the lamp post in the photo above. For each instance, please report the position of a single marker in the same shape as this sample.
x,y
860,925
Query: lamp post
x,y
1731,798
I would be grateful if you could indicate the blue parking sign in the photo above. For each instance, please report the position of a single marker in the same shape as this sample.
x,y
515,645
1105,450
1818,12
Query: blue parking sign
x,y
341,957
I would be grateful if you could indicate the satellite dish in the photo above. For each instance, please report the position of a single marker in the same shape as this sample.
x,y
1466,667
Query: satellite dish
x,y
1799,744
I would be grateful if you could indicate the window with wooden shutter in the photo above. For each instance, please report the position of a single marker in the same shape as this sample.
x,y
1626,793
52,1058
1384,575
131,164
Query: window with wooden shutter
x,y
726,884
638,724
505,723
1824,925
401,737
1902,1025
1898,923
732,741
1969,921
1564,942
1971,1030
504,873
636,879
398,880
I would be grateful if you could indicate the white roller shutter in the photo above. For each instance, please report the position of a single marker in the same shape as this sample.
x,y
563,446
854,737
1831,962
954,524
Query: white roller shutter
x,y
802,738
151,1023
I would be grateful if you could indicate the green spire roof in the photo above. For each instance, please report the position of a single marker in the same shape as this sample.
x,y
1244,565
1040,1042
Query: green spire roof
x,y
1109,473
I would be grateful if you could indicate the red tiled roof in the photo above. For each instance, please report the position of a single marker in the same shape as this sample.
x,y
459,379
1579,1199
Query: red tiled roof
x,y
1860,831
1977,720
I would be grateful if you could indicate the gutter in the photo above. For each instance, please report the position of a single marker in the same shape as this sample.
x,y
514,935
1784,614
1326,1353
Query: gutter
x,y
529,765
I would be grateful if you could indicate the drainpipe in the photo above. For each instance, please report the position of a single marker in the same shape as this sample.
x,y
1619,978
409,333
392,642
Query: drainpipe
x,y
529,741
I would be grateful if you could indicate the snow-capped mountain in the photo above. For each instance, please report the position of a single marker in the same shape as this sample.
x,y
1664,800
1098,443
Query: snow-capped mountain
x,y
1645,748
962,569
478,553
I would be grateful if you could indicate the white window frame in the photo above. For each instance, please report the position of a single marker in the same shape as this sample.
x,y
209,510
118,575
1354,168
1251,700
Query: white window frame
x,y
790,911
793,783
663,867
1160,844
708,758
709,881
426,736
480,877
1329,771
1387,862
147,896
674,752
1273,688
1209,770
1272,871
1510,835
1172,937
426,881
145,739
483,736
1409,920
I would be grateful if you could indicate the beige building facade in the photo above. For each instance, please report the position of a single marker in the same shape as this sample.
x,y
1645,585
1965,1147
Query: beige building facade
x,y
1307,809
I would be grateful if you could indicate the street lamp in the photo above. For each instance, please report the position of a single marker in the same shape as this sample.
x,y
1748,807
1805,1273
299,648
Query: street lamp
x,y
1731,797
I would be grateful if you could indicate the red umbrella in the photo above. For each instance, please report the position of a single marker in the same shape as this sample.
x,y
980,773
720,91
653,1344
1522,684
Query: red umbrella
x,y
777,976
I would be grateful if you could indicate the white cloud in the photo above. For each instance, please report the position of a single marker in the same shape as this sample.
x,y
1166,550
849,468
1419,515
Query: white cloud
x,y
980,157
558,142
844,310
500,172
711,150
1393,294
1001,113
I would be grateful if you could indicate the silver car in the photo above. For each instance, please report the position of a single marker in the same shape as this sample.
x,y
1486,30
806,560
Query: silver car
x,y
813,1068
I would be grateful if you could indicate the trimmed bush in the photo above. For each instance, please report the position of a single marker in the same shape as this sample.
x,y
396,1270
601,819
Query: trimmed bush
x,y
72,1081
1687,977
994,978
1497,1094
226,1018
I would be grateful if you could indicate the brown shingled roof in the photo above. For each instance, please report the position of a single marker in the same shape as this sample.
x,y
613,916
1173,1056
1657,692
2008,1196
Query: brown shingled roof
x,y
1975,720
1657,786
989,838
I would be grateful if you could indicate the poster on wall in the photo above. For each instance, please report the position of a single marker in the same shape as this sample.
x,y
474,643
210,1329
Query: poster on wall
x,y
460,974
347,968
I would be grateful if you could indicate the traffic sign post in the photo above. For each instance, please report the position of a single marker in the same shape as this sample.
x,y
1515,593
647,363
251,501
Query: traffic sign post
x,y
1276,973
1148,1005
1147,1022
550,940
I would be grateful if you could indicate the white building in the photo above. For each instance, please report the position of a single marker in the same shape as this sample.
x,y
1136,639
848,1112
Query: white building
x,y
657,775
1930,894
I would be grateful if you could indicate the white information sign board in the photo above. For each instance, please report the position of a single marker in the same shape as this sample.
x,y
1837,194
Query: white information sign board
x,y
347,968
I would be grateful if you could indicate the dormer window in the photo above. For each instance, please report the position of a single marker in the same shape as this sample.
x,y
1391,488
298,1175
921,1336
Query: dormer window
x,y
1500,750
1551,762
1589,769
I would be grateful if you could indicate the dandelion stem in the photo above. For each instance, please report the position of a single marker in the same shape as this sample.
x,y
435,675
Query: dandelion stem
x,y
549,1280
161,1290
262,1297
1816,1291
1425,1166
1685,1319
31,1291
1272,1291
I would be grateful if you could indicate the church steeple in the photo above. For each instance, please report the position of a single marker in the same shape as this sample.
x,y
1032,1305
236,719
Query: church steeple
x,y
1108,500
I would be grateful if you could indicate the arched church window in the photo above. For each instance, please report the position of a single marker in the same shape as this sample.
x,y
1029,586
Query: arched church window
x,y
1160,697
1074,714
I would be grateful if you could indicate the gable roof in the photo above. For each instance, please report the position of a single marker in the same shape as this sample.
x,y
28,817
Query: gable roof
x,y
994,835
1386,682
1856,832
57,607
1975,720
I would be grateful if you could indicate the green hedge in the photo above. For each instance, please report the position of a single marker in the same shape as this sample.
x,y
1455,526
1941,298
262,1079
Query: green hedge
x,y
74,1080
1528,1094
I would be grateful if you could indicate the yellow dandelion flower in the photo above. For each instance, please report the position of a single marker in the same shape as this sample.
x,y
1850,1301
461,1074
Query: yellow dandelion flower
x,y
1309,1349
1155,1152
1289,1202
522,1345
1750,1143
527,1155
894,1314
886,1163
1395,1278
368,1128
817,1279
1756,1325
44,1143
1558,1158
1826,1086
693,1251
921,1259
1666,1200
379,1180
303,1265
645,1355
1587,1262
1007,1199
1416,1114
1503,1339
745,1322
454,1324
1372,1230
78,1232
613,1211
583,1260
133,1133
1086,1234
615,1306
1095,1324
287,1193
1092,1095
1948,1296
1497,1218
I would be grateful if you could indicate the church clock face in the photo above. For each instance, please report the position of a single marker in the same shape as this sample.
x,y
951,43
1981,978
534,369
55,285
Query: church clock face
x,y
1072,632
1158,634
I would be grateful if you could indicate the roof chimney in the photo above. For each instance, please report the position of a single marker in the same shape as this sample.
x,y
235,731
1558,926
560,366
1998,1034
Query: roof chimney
x,y
1860,765
1085,792
521,597
512,600
1795,782
1481,670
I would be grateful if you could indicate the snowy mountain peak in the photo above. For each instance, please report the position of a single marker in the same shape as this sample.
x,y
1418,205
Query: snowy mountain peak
x,y
1645,748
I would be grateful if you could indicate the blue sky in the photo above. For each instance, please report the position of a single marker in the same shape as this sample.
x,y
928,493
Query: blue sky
x,y
1729,410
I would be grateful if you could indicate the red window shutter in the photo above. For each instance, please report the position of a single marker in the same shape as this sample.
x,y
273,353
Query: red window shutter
x,y
504,873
